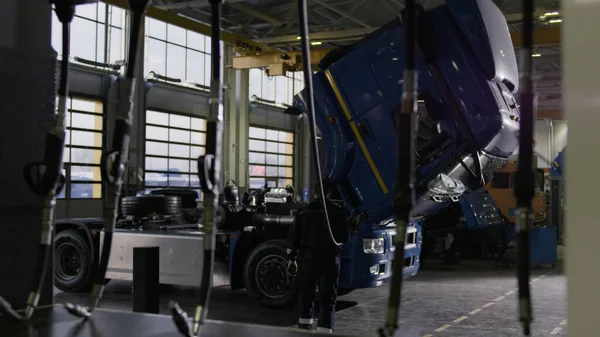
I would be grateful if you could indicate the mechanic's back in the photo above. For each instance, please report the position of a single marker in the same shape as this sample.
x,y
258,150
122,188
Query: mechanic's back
x,y
319,257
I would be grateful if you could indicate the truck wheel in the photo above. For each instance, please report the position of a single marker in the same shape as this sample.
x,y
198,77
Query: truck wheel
x,y
73,262
265,275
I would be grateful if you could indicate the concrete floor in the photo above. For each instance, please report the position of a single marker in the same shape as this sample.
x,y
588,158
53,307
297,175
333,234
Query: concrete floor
x,y
471,299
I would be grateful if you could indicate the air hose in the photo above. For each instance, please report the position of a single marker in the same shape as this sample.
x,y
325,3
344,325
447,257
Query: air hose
x,y
114,162
209,172
403,194
525,186
306,67
45,178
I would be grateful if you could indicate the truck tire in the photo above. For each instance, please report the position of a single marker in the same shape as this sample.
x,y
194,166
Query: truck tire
x,y
149,204
188,196
265,275
73,262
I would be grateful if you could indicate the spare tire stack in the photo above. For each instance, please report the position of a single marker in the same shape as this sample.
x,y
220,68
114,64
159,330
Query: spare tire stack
x,y
151,204
188,197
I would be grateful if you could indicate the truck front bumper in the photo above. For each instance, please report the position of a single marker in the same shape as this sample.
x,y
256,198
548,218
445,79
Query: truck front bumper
x,y
360,269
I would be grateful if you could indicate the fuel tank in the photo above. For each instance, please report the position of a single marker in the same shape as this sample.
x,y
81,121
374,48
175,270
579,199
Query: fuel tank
x,y
468,116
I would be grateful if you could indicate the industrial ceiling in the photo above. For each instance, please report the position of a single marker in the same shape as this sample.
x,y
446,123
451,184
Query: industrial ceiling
x,y
274,23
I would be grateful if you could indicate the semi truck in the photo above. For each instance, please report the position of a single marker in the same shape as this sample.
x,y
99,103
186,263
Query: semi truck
x,y
467,81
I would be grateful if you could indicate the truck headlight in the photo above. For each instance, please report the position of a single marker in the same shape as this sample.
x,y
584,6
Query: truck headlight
x,y
374,246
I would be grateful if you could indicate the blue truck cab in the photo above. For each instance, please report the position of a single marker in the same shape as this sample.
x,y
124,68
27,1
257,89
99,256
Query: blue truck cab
x,y
467,79
557,167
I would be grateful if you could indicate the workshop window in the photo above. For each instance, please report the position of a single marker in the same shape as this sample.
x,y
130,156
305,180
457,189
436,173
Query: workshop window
x,y
91,38
275,90
178,53
83,149
173,143
271,158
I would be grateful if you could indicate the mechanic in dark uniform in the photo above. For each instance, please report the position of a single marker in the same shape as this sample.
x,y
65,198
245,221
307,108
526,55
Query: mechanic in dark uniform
x,y
318,258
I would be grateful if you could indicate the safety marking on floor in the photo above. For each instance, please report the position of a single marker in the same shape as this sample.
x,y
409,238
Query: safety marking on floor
x,y
475,311
556,331
443,328
494,301
563,322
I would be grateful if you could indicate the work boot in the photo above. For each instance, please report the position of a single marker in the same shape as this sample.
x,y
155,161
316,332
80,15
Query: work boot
x,y
324,330
305,323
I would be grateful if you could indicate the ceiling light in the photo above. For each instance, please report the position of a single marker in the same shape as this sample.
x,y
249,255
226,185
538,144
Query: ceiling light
x,y
536,55
316,43
551,14
555,20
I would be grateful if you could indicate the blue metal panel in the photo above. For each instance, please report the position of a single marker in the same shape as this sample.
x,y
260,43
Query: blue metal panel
x,y
544,242
558,164
480,210
233,240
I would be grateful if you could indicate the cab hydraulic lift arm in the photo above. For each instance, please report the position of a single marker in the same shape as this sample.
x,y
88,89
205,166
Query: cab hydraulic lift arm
x,y
404,193
524,189
209,172
114,162
45,178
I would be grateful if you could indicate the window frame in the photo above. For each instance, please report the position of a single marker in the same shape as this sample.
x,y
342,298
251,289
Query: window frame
x,y
101,29
290,96
67,165
184,81
265,177
145,139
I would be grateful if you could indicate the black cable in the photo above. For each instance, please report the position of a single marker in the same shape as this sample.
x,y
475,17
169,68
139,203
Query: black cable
x,y
404,194
49,184
114,162
525,186
306,67
209,172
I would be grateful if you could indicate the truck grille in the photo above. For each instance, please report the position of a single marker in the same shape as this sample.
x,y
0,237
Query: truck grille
x,y
411,237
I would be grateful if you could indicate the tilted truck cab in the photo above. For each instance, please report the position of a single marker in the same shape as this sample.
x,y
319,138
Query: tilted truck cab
x,y
467,78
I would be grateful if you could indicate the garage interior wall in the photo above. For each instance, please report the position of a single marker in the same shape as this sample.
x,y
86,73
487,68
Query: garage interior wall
x,y
550,137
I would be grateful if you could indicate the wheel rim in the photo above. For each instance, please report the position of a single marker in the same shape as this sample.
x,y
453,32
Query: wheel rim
x,y
271,277
68,261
